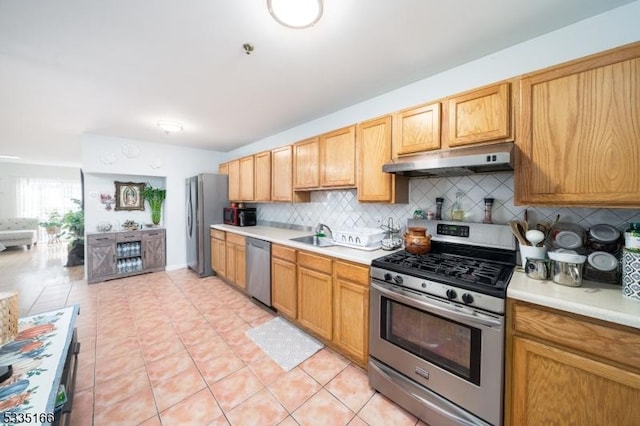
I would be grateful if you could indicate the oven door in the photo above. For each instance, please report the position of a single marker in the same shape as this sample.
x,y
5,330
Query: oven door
x,y
444,347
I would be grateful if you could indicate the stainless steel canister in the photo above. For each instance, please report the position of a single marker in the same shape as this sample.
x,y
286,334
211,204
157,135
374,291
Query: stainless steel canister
x,y
538,269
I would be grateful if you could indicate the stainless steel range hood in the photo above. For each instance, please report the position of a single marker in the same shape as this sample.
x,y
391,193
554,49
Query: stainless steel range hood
x,y
455,162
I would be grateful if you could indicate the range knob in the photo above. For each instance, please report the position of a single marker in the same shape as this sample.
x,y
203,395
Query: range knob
x,y
467,298
387,276
451,294
398,279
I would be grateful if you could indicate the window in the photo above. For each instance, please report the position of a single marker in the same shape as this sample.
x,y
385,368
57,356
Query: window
x,y
37,197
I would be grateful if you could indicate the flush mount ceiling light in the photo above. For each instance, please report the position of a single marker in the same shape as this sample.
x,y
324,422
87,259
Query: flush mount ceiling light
x,y
297,14
168,126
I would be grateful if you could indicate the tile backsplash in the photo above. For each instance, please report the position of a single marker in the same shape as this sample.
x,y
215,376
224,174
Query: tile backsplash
x,y
341,209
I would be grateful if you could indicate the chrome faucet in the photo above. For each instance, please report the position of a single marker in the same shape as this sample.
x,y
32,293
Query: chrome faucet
x,y
320,226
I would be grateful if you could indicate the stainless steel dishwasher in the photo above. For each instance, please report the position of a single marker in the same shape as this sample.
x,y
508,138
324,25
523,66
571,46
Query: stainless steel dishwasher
x,y
259,270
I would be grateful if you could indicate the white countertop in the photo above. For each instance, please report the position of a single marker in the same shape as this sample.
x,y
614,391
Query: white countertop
x,y
595,300
592,299
283,236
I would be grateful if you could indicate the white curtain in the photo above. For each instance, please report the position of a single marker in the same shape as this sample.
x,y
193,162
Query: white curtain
x,y
37,197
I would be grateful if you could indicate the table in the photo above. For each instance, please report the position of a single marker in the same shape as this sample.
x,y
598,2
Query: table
x,y
43,356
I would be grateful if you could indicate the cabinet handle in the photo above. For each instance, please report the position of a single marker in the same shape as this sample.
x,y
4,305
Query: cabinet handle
x,y
102,239
153,233
114,257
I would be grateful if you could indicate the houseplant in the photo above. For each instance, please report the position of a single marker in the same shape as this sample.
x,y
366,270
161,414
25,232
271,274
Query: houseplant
x,y
53,223
73,224
155,197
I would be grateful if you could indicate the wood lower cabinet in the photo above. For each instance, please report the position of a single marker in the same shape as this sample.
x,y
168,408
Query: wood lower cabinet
x,y
112,255
284,284
578,130
218,252
154,249
101,256
480,115
235,260
374,150
417,129
568,369
351,309
315,294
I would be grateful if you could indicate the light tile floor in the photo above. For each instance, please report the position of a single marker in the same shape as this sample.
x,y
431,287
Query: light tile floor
x,y
170,348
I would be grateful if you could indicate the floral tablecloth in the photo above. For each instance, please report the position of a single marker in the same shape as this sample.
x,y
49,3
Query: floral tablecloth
x,y
37,356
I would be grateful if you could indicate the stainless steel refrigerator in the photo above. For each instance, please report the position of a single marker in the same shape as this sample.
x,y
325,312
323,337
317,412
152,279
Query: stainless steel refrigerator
x,y
206,196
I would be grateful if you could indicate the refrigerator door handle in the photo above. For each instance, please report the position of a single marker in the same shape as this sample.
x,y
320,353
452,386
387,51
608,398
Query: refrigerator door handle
x,y
189,213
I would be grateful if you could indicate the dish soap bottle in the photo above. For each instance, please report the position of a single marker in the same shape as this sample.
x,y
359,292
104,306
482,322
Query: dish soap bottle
x,y
456,209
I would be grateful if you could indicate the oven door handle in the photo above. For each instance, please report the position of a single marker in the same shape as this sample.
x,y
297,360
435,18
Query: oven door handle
x,y
434,306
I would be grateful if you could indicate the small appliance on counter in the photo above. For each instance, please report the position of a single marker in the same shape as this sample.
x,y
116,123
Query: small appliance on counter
x,y
240,216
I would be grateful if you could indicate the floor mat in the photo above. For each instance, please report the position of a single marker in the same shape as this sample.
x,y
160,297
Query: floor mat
x,y
284,343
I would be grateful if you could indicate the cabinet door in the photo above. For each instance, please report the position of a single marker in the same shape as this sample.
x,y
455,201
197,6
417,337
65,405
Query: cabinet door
x,y
480,116
241,266
283,287
306,164
351,309
223,168
315,297
234,180
338,158
263,176
247,177
101,257
282,177
154,249
374,150
553,386
230,261
218,250
578,133
417,129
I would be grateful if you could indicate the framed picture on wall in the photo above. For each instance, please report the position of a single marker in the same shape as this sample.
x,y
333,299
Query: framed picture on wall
x,y
129,196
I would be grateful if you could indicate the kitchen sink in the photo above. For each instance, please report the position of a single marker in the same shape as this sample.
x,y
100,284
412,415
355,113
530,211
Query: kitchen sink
x,y
315,241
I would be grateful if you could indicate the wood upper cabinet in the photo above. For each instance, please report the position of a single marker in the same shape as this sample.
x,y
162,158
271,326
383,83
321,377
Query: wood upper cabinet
x,y
338,158
567,369
262,182
235,261
374,150
578,132
223,168
306,164
233,169
417,129
218,252
282,176
351,309
247,178
284,288
315,294
481,115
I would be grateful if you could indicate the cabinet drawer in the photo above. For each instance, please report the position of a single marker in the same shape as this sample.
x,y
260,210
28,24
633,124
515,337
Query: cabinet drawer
x,y
235,239
124,237
351,272
101,239
214,233
284,253
615,343
315,262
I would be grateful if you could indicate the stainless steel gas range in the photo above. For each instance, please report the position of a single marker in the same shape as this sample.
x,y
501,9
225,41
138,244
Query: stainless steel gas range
x,y
437,325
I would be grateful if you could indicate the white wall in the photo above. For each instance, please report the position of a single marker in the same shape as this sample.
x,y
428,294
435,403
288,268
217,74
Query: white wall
x,y
611,29
10,172
106,156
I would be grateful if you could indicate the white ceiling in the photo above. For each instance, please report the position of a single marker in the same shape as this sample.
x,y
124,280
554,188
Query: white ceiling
x,y
113,67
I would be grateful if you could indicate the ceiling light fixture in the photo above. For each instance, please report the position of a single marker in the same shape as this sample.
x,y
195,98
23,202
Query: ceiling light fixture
x,y
296,14
168,126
